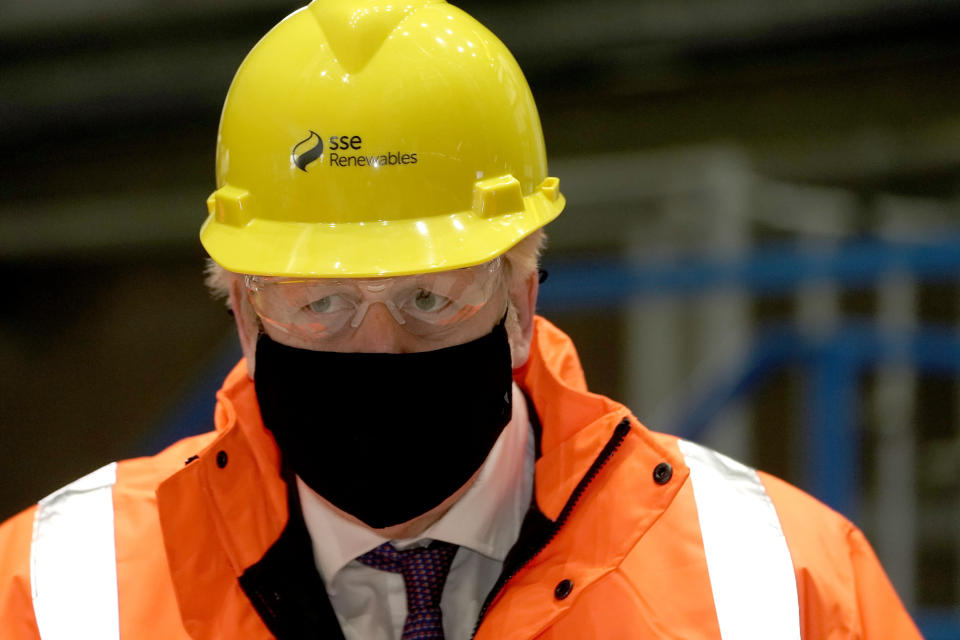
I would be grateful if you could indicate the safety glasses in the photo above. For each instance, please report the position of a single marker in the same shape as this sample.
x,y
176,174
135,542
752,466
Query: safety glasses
x,y
324,309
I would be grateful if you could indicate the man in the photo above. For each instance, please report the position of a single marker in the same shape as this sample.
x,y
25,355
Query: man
x,y
406,450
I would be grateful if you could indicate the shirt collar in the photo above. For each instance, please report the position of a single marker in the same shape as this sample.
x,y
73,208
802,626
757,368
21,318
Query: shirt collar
x,y
486,519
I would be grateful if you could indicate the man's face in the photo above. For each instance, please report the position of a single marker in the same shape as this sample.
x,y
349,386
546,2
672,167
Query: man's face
x,y
405,314
382,315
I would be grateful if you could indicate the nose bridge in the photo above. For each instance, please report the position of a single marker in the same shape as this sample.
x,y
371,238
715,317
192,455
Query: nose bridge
x,y
377,328
373,292
364,306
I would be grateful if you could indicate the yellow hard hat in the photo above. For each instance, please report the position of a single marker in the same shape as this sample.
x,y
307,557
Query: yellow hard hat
x,y
376,137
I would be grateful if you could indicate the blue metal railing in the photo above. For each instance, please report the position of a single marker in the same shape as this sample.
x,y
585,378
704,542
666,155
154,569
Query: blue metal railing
x,y
608,283
834,364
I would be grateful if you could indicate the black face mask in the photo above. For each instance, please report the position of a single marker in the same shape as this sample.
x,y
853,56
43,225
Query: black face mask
x,y
386,437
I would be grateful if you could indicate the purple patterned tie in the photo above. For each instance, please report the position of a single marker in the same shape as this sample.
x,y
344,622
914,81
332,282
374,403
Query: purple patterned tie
x,y
424,571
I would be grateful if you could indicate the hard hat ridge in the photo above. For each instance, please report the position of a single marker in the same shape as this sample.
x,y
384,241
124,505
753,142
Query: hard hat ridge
x,y
356,29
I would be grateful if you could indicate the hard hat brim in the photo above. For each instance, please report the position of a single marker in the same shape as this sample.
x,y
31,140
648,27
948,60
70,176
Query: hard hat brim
x,y
372,249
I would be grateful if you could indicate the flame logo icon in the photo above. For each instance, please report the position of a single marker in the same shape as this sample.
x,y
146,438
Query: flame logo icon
x,y
313,151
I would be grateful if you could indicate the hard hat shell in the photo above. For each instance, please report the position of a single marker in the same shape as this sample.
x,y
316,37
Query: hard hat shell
x,y
376,137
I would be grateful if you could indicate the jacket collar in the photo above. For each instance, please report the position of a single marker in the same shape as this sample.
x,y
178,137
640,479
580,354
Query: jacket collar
x,y
577,423
222,512
595,492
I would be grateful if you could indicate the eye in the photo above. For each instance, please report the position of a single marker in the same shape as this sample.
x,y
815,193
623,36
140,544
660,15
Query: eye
x,y
328,304
322,305
428,301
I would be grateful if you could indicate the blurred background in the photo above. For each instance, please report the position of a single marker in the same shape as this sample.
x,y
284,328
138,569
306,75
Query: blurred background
x,y
761,248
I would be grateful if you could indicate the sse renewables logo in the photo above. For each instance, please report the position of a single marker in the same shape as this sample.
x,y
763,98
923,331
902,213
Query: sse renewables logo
x,y
307,150
345,151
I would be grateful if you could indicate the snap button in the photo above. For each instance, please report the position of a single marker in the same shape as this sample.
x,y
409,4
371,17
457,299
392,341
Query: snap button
x,y
221,459
662,473
563,589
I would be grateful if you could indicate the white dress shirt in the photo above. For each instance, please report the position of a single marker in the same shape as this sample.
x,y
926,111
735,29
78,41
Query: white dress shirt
x,y
372,604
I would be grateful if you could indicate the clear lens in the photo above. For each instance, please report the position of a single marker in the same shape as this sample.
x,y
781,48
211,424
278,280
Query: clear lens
x,y
324,309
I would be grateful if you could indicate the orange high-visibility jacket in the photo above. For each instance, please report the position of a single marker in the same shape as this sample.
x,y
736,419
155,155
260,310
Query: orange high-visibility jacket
x,y
633,535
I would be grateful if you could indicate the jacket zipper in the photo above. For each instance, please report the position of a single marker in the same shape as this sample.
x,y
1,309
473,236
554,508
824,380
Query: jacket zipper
x,y
619,435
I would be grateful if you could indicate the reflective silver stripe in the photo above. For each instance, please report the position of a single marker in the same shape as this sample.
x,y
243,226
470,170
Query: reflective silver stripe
x,y
73,566
751,573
